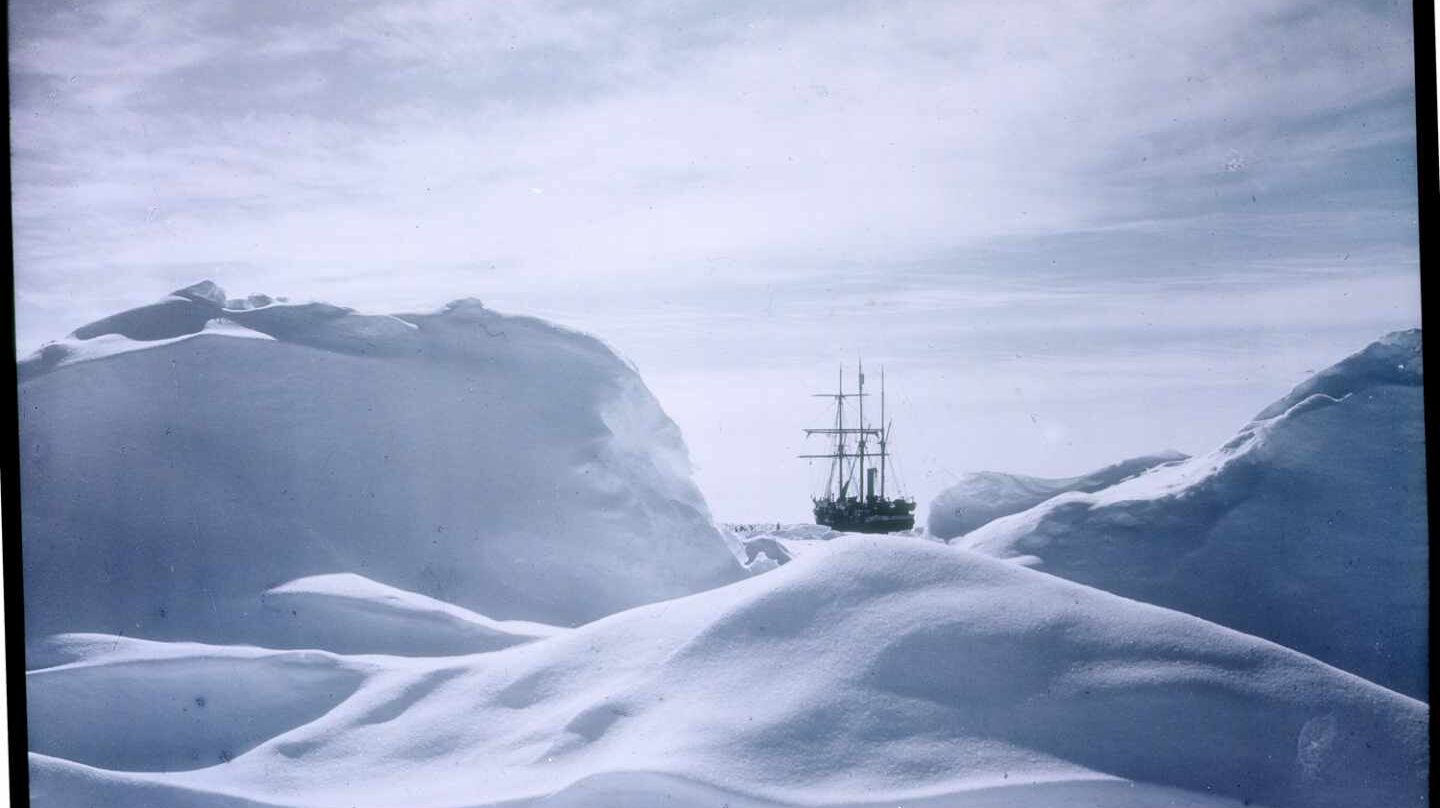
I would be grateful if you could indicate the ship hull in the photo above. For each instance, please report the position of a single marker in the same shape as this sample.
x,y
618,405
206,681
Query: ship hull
x,y
852,502
872,524
886,516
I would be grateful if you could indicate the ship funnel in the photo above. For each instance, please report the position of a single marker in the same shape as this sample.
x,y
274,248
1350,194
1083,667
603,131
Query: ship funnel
x,y
870,482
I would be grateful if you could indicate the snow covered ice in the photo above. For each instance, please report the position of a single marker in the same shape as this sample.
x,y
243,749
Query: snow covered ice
x,y
983,496
1307,528
885,666
289,554
497,463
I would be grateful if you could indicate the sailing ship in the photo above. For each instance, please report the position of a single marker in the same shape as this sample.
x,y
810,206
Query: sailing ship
x,y
851,502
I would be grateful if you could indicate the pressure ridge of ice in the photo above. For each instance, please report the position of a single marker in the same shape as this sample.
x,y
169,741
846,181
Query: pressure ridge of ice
x,y
497,463
980,497
1308,528
293,555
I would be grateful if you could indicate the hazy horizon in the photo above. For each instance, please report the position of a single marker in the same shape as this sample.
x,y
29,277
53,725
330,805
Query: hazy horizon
x,y
1072,233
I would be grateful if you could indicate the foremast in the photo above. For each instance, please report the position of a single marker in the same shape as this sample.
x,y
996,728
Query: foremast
x,y
843,476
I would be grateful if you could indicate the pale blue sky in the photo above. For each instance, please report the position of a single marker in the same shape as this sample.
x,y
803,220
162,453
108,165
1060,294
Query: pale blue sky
x,y
1073,231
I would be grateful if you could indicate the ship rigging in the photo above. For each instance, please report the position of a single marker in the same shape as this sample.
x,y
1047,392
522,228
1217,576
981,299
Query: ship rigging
x,y
850,501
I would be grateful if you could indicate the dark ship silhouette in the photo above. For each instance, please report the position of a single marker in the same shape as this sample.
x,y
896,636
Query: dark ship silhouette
x,y
850,502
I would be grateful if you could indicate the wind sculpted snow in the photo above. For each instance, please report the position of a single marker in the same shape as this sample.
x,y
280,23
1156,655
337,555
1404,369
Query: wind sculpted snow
x,y
981,497
1308,528
351,614
498,463
879,671
356,548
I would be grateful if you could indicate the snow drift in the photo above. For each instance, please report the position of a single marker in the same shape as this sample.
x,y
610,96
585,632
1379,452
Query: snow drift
x,y
351,614
1308,528
872,671
139,705
984,496
172,473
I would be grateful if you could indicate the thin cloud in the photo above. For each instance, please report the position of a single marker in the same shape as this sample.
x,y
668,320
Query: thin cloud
x,y
710,185
875,133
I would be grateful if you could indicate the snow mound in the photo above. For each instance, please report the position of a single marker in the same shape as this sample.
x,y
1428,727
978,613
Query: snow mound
x,y
765,546
756,546
499,463
883,670
984,496
1308,528
763,553
55,781
73,349
351,614
1396,359
133,705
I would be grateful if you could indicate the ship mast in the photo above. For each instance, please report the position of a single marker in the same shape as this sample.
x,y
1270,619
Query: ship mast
x,y
884,429
869,509
860,442
841,477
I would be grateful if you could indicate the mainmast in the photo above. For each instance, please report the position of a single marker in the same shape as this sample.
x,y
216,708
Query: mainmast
x,y
840,476
840,479
884,430
860,371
